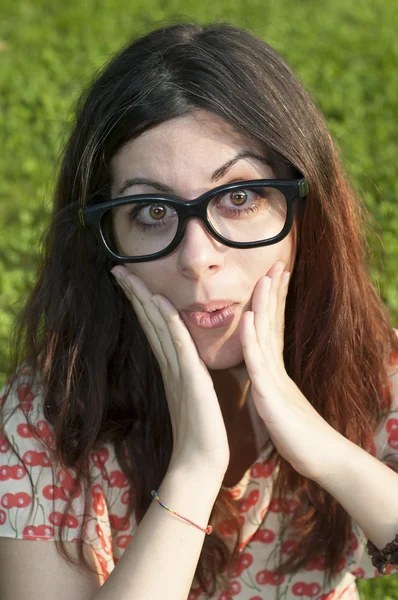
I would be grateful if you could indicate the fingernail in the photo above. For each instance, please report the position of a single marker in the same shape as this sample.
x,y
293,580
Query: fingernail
x,y
116,273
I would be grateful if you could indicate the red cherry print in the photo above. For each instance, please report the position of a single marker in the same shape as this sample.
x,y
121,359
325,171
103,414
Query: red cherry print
x,y
393,358
23,390
102,537
55,518
234,588
226,526
123,541
22,499
17,471
4,444
317,563
45,431
70,521
193,595
256,470
5,473
234,493
103,564
299,588
54,492
117,523
25,431
359,573
393,440
253,497
118,479
267,468
328,596
313,589
2,517
223,596
341,565
125,497
354,541
99,458
244,562
103,455
98,500
306,589
19,500
244,505
392,429
31,532
7,501
68,481
264,577
266,536
290,546
276,505
255,598
25,396
291,506
392,425
36,459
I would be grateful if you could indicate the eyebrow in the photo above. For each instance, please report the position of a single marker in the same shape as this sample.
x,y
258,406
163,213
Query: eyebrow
x,y
218,174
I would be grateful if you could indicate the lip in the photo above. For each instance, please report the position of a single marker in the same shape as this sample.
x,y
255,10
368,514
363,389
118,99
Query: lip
x,y
208,306
210,320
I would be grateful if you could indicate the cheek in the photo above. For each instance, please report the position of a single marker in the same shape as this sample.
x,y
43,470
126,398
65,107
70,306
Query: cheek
x,y
152,275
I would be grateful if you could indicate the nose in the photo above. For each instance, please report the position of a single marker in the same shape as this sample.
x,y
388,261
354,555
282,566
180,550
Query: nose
x,y
199,253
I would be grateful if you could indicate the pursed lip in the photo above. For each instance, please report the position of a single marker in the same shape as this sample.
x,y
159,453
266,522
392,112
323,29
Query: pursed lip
x,y
208,306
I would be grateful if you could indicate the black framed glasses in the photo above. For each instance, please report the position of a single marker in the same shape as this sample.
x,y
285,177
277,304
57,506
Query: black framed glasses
x,y
243,214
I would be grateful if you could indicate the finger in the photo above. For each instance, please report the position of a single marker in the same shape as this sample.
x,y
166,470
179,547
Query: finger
x,y
280,316
255,365
147,319
278,269
184,345
260,309
163,323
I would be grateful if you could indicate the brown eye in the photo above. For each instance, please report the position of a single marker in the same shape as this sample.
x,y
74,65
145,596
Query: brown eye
x,y
157,212
239,198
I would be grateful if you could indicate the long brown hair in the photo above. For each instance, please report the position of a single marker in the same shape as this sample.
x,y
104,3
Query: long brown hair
x,y
100,378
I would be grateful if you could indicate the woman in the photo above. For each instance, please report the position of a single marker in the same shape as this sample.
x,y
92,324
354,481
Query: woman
x,y
204,339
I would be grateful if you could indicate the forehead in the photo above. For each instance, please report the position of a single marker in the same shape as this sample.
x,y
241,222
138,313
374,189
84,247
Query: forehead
x,y
193,145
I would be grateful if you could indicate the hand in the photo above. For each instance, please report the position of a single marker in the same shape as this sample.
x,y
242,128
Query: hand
x,y
199,434
296,429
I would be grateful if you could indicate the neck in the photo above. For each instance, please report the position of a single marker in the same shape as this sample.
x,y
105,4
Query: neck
x,y
231,386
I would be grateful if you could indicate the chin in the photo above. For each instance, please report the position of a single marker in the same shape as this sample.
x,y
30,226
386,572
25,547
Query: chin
x,y
221,358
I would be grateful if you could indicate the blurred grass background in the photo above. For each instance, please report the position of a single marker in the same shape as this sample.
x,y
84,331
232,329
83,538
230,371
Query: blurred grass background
x,y
346,54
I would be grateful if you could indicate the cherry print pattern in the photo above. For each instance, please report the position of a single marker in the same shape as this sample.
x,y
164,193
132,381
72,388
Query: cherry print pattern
x,y
253,574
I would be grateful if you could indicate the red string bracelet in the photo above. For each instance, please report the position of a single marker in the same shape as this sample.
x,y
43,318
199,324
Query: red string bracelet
x,y
208,529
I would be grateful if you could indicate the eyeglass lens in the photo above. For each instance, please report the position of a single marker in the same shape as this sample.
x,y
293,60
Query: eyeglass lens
x,y
142,227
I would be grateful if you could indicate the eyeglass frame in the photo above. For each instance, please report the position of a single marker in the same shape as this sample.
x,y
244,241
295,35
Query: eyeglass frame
x,y
292,189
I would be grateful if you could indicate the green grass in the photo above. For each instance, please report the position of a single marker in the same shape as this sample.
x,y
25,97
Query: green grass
x,y
346,53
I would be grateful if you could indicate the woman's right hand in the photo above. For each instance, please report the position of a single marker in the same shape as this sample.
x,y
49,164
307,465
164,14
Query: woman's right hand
x,y
199,434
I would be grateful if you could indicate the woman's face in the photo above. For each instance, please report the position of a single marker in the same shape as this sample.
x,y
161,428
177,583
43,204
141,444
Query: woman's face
x,y
183,154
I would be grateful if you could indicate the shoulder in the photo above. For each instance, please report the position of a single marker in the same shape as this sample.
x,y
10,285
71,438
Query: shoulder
x,y
386,435
35,489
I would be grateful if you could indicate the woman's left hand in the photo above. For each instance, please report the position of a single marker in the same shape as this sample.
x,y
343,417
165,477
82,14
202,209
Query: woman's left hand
x,y
296,429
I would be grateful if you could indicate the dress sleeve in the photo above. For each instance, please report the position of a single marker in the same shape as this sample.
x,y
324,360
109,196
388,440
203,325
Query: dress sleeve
x,y
26,512
385,449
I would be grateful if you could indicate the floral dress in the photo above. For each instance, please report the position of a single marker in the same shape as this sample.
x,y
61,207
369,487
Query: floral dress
x,y
109,495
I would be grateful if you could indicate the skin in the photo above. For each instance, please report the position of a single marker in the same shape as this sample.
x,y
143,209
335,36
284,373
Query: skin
x,y
183,153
